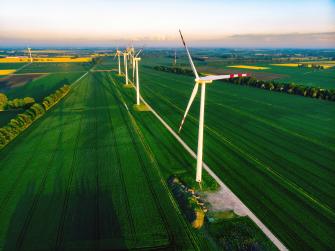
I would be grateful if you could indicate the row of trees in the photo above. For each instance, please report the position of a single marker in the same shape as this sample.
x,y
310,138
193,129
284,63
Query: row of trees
x,y
3,101
16,103
20,123
314,66
177,70
290,88
53,98
20,103
23,120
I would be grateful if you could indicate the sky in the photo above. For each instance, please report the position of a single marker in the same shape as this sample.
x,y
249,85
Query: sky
x,y
212,23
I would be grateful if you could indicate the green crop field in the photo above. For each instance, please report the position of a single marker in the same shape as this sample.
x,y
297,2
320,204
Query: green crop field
x,y
38,89
88,179
91,174
10,66
42,86
275,151
305,76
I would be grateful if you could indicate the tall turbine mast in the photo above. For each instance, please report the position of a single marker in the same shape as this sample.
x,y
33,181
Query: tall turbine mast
x,y
175,57
118,55
136,62
201,81
125,55
31,58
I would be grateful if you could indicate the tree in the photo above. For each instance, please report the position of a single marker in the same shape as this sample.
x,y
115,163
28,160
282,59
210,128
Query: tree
x,y
3,101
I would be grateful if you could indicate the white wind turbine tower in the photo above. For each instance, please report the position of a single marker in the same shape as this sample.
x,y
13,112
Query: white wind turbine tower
x,y
31,58
125,55
118,55
201,81
136,60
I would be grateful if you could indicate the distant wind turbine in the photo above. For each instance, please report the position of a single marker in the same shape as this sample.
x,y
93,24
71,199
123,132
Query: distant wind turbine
x,y
118,55
136,60
201,81
31,58
125,55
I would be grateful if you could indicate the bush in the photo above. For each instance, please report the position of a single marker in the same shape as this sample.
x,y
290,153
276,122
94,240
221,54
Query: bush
x,y
20,103
53,98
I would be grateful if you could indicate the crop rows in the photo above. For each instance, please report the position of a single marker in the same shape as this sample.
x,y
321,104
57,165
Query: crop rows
x,y
84,180
270,154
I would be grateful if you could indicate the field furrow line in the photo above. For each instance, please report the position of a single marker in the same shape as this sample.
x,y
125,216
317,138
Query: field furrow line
x,y
153,161
119,166
60,230
255,160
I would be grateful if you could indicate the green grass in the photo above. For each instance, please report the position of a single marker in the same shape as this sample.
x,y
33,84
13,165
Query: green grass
x,y
85,177
275,151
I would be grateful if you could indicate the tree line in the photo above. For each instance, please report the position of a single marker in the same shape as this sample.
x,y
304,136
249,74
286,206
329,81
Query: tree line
x,y
290,88
16,103
23,120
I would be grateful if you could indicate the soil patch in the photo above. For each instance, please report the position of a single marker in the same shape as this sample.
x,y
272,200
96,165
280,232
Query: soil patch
x,y
14,81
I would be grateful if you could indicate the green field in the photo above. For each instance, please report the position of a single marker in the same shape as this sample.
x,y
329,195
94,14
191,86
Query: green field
x,y
4,66
87,178
42,86
304,76
91,173
38,89
275,151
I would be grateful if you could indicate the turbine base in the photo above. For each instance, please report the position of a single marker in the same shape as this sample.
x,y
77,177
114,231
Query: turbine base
x,y
128,86
141,108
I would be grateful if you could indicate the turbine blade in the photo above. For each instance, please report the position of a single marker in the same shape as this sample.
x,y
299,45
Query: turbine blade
x,y
133,70
189,56
194,93
217,77
138,53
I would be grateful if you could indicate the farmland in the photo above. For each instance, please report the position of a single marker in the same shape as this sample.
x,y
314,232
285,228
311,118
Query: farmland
x,y
278,159
84,162
93,151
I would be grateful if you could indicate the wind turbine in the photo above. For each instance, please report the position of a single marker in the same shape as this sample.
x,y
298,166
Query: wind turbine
x,y
201,81
125,55
136,60
31,58
175,58
118,54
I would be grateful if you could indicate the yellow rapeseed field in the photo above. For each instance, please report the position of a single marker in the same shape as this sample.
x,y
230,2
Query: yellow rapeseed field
x,y
249,67
47,60
6,72
325,64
